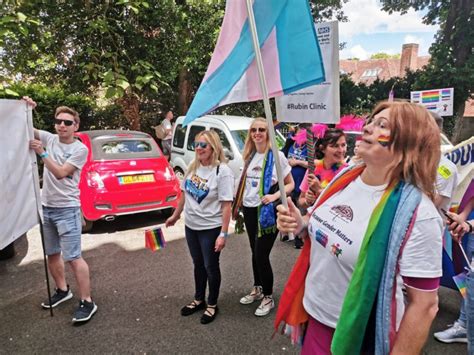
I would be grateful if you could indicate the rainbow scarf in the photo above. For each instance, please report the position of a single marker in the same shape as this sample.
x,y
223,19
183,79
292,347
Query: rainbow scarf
x,y
266,213
154,239
370,279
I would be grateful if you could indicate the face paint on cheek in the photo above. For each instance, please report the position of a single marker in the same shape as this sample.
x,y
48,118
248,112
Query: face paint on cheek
x,y
383,140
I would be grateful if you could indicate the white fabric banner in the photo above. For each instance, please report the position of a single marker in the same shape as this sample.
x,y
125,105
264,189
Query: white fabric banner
x,y
18,173
463,156
318,103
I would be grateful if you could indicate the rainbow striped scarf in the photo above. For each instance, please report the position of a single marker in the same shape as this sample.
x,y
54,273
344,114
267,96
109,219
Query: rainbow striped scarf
x,y
370,271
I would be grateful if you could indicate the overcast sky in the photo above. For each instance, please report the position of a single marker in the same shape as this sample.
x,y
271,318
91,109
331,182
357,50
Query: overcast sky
x,y
371,30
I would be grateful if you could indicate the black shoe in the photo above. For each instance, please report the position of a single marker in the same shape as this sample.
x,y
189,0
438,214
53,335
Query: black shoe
x,y
208,317
84,312
192,308
58,297
298,243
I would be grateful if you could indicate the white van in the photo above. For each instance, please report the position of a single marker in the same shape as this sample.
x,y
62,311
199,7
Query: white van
x,y
231,129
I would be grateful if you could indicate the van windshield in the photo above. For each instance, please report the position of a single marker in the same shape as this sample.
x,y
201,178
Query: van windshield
x,y
239,137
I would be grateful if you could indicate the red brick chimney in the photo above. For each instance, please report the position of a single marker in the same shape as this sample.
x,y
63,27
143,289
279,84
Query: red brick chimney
x,y
409,58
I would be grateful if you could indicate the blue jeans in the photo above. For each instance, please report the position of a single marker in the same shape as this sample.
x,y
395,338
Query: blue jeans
x,y
62,231
469,250
206,262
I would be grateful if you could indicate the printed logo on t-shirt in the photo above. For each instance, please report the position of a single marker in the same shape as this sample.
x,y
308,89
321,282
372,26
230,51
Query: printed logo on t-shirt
x,y
336,250
321,237
343,212
197,188
67,155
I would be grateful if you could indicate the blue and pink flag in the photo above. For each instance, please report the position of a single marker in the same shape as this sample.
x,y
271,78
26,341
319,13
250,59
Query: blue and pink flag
x,y
290,51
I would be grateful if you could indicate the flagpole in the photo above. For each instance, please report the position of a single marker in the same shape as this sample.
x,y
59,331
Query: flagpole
x,y
266,102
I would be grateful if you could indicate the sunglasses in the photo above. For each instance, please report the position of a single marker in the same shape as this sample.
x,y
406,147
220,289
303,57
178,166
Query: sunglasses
x,y
66,122
202,145
259,129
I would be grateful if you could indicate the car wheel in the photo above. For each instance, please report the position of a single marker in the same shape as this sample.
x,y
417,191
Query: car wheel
x,y
7,252
179,173
86,224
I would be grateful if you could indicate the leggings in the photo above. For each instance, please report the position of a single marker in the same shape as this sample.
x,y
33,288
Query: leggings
x,y
261,248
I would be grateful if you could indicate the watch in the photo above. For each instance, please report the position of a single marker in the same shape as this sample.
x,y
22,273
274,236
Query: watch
x,y
224,234
470,226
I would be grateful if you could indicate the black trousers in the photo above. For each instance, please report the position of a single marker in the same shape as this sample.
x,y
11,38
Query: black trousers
x,y
261,249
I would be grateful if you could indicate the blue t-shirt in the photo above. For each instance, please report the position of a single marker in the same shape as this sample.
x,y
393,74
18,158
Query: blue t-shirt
x,y
299,153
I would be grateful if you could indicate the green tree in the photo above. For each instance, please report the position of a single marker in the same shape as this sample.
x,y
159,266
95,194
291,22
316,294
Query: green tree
x,y
382,55
452,62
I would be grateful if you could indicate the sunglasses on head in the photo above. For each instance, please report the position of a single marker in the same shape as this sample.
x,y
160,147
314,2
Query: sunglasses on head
x,y
202,145
66,122
259,129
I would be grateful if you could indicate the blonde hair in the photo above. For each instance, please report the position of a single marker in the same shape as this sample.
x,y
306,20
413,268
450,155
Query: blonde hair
x,y
249,147
416,143
72,112
217,157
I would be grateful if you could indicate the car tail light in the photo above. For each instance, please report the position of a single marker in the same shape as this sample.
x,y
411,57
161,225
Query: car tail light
x,y
169,174
95,180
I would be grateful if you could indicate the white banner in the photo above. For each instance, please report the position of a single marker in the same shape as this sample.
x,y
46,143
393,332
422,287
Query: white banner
x,y
463,156
18,172
318,103
436,100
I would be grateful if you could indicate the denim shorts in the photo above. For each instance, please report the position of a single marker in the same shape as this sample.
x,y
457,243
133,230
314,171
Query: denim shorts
x,y
62,230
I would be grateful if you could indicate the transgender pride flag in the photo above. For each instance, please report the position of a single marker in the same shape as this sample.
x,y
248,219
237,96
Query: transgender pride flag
x,y
290,51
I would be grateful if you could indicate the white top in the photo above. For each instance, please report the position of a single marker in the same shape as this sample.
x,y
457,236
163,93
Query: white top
x,y
204,191
254,174
166,123
337,229
446,181
62,192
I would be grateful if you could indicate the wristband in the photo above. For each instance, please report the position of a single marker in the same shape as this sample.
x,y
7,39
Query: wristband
x,y
224,234
44,155
470,226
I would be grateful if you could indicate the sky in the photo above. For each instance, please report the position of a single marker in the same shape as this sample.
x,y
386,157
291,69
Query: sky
x,y
371,30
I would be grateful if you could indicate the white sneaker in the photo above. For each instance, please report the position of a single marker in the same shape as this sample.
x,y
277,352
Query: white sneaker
x,y
255,295
265,307
454,334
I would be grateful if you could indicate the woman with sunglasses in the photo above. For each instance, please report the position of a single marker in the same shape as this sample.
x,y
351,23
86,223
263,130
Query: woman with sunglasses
x,y
206,199
373,231
257,194
330,152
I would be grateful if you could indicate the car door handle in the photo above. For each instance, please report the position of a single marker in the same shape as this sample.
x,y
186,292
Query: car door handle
x,y
176,152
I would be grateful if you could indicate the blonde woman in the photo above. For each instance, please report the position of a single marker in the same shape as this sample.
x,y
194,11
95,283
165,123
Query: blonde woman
x,y
373,230
206,199
257,194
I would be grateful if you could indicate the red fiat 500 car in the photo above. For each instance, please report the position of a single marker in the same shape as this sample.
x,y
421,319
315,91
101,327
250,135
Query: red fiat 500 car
x,y
125,173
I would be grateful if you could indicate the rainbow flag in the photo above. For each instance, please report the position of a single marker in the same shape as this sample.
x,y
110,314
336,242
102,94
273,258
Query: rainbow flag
x,y
290,50
154,239
460,281
430,96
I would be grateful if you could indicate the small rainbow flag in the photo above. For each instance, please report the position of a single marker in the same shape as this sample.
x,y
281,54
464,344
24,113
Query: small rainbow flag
x,y
430,96
154,239
383,140
460,281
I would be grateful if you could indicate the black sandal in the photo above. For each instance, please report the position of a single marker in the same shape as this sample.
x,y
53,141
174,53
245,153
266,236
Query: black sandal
x,y
192,307
208,317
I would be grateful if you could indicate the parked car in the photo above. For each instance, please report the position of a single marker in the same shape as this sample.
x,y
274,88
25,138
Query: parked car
x,y
125,173
232,131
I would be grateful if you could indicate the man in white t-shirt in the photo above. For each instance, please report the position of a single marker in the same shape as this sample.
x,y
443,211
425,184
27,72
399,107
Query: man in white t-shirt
x,y
63,157
168,126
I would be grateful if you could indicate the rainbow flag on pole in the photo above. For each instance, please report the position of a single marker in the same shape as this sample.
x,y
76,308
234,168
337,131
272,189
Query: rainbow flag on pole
x,y
460,281
290,51
154,239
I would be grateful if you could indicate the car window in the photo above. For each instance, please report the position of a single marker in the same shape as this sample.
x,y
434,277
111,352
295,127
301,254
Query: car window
x,y
193,130
223,138
239,137
109,148
178,137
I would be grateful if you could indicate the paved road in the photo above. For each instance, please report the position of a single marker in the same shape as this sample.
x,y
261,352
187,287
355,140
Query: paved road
x,y
140,293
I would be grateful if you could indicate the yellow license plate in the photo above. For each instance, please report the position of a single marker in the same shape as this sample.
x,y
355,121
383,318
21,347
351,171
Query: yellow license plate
x,y
133,179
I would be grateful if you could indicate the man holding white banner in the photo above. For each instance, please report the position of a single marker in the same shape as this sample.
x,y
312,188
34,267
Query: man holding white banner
x,y
63,157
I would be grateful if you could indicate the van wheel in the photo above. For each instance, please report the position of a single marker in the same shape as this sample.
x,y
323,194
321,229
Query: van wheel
x,y
86,224
179,173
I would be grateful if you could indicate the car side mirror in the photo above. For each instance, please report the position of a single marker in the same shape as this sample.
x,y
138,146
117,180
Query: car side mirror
x,y
228,154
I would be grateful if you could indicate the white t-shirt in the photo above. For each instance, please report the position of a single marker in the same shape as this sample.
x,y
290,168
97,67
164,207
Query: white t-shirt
x,y
337,229
446,181
62,192
204,191
166,123
254,174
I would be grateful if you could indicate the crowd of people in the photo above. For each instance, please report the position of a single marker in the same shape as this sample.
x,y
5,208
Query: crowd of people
x,y
367,277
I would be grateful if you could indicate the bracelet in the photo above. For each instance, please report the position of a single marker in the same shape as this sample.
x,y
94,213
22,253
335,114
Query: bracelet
x,y
470,226
44,155
224,234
